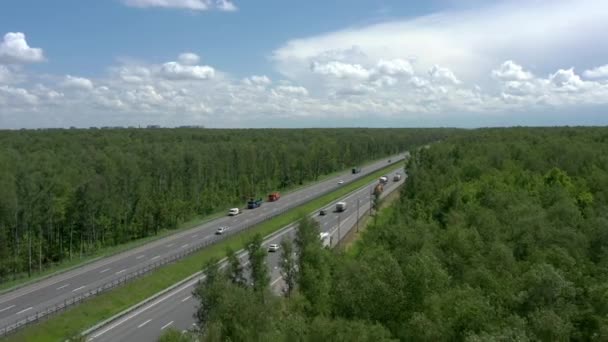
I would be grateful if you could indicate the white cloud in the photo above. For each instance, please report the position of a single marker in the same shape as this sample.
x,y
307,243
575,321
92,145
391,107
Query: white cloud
x,y
395,67
188,58
77,83
14,49
470,43
599,72
340,70
566,80
195,5
176,71
291,90
17,96
257,80
6,75
225,5
443,75
509,70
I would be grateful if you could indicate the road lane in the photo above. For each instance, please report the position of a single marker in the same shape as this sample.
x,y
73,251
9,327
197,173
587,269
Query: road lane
x,y
49,292
180,314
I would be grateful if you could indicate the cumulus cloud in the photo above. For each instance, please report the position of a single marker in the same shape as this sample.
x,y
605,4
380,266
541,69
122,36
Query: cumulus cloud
x,y
599,72
177,71
77,83
195,5
443,75
15,49
291,90
567,80
395,67
225,5
257,80
340,70
470,43
509,70
188,58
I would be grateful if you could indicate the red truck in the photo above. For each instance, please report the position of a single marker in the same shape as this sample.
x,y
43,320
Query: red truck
x,y
274,196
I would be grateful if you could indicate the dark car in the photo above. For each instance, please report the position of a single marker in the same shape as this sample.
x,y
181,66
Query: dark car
x,y
323,212
389,160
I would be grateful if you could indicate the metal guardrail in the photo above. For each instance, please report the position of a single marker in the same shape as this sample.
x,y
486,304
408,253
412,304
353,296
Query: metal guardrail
x,y
77,299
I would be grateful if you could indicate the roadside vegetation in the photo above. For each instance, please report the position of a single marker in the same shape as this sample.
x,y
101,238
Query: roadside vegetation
x,y
70,194
74,321
499,235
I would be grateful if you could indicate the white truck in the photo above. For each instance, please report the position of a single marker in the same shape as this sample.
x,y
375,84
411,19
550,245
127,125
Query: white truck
x,y
383,179
325,239
340,206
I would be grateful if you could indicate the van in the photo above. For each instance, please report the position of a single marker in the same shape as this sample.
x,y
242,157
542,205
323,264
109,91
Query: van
x,y
234,212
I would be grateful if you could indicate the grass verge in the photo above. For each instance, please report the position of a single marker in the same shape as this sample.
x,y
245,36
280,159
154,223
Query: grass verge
x,y
109,251
71,322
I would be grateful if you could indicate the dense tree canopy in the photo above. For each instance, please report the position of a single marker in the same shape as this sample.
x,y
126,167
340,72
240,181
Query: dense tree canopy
x,y
499,235
67,193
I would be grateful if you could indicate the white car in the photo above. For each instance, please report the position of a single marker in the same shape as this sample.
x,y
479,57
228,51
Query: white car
x,y
340,182
273,247
221,230
234,212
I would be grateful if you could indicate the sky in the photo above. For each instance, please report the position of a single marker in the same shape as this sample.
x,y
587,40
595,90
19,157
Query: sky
x,y
341,63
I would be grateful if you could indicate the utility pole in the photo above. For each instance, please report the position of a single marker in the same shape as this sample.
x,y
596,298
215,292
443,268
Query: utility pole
x,y
339,219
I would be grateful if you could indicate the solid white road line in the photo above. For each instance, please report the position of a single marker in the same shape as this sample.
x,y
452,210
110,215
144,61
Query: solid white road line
x,y
166,325
140,256
80,288
144,323
24,310
156,257
104,271
121,271
63,287
186,245
274,282
185,299
7,308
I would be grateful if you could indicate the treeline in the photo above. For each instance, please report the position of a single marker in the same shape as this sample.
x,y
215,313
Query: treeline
x,y
68,193
499,235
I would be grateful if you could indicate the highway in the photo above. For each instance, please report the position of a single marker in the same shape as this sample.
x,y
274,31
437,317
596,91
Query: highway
x,y
176,308
37,297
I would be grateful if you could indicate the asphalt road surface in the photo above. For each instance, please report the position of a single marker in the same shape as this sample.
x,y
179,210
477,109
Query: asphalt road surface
x,y
28,300
176,308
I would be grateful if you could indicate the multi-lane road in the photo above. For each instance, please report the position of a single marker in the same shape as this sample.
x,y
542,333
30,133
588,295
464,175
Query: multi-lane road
x,y
176,308
37,297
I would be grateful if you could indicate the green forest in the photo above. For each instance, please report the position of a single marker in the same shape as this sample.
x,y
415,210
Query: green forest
x,y
498,235
68,193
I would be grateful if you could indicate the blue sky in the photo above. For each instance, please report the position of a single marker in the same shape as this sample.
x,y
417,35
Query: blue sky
x,y
306,63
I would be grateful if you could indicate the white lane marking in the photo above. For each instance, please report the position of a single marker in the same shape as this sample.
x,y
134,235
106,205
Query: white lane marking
x,y
156,257
140,256
144,323
63,287
7,308
185,299
80,288
274,282
121,271
186,245
24,310
171,244
171,294
166,325
104,271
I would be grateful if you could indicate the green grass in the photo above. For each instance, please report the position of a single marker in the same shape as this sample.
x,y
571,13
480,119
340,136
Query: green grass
x,y
75,320
109,251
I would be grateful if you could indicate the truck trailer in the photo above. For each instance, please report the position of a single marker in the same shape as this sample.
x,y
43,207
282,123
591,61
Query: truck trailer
x,y
356,169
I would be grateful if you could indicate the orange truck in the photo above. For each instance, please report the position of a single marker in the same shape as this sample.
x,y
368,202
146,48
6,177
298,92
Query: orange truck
x,y
274,196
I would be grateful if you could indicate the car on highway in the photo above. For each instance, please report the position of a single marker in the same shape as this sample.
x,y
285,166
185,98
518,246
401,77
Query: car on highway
x,y
340,182
234,212
323,212
221,230
273,247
